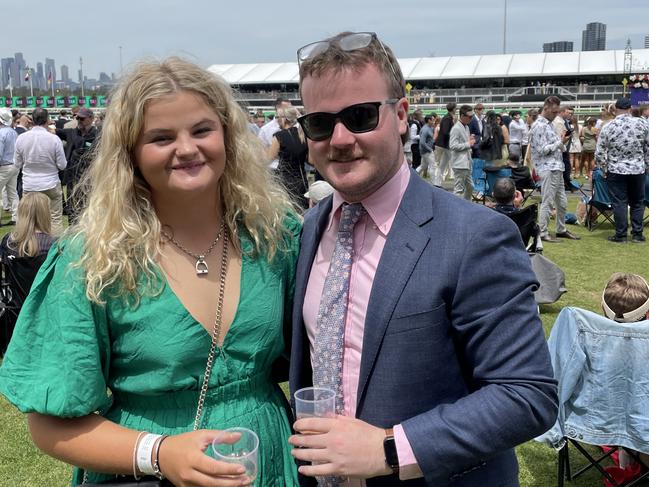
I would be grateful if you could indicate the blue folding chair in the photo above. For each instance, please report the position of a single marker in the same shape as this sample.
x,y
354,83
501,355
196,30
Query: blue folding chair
x,y
599,203
494,173
479,179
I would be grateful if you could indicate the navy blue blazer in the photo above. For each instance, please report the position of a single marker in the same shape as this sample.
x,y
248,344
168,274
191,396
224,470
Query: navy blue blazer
x,y
453,348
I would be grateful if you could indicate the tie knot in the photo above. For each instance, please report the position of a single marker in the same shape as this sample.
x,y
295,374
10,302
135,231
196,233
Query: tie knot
x,y
351,213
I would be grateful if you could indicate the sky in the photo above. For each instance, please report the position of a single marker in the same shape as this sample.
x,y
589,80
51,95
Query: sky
x,y
254,31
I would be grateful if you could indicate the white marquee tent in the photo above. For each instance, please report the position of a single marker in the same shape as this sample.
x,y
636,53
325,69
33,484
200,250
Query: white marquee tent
x,y
532,65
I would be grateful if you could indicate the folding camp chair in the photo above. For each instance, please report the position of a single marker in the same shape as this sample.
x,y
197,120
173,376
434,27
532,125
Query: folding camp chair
x,y
576,185
479,179
494,173
599,204
8,312
17,275
600,366
526,221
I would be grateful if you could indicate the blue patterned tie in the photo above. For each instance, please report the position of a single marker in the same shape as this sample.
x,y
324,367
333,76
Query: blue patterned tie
x,y
330,323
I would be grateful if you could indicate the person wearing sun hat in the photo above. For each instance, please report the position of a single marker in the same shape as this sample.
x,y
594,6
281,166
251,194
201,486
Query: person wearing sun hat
x,y
318,191
8,171
623,155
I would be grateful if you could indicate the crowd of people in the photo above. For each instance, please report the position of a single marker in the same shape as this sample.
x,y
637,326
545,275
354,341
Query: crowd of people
x,y
549,145
190,283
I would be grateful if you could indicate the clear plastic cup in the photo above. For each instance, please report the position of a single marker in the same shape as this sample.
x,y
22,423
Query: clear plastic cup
x,y
243,451
318,402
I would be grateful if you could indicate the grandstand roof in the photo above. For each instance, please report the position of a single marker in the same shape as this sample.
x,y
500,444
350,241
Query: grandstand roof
x,y
489,66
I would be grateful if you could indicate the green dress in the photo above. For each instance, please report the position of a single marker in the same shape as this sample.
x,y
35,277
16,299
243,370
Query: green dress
x,y
142,368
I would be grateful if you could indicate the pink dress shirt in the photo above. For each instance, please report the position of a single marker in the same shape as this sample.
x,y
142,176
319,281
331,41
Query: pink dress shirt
x,y
370,234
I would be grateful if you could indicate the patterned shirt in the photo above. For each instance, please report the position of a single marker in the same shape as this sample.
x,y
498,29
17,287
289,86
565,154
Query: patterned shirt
x,y
623,146
546,146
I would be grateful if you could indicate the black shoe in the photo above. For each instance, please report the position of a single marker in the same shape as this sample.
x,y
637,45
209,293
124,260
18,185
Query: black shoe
x,y
638,238
569,235
616,239
550,239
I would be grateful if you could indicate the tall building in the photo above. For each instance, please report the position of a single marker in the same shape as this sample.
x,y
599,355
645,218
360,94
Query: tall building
x,y
65,73
50,67
646,42
39,77
559,46
19,70
594,37
5,71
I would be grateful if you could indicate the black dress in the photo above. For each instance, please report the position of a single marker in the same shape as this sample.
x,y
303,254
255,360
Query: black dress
x,y
293,154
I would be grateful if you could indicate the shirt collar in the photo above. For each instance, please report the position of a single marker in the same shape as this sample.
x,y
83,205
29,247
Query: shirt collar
x,y
381,205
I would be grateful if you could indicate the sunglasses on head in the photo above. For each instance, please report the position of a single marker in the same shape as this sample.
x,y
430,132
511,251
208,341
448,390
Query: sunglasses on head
x,y
359,118
349,42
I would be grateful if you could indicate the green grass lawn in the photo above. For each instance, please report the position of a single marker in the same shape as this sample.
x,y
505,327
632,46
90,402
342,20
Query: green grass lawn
x,y
587,263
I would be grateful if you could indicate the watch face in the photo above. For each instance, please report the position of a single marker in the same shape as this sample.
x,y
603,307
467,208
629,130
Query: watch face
x,y
390,449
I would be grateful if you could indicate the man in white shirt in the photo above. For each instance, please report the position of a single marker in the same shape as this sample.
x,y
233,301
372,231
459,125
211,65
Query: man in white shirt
x,y
40,155
517,134
267,131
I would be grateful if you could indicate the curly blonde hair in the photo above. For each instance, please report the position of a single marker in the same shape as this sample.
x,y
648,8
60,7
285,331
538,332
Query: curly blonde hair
x,y
119,230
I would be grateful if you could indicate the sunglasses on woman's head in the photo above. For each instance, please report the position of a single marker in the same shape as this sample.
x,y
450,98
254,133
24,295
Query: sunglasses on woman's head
x,y
359,118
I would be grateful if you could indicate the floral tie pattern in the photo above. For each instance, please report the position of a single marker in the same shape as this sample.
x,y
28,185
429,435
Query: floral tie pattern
x,y
330,322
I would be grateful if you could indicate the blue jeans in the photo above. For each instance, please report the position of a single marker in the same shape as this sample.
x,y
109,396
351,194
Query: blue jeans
x,y
627,190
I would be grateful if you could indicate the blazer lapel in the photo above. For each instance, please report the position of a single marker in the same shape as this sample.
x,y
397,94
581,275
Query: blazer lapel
x,y
403,248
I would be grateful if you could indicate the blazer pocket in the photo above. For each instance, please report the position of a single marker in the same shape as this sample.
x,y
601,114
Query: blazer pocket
x,y
417,320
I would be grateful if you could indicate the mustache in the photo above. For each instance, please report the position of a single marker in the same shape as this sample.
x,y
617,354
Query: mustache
x,y
343,155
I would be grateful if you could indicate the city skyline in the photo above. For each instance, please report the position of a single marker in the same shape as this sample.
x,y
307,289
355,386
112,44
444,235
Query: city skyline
x,y
258,32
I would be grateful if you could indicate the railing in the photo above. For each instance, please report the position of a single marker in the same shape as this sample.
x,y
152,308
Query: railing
x,y
577,93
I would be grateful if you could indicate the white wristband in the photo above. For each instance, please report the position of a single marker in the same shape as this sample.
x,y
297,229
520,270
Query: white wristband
x,y
144,452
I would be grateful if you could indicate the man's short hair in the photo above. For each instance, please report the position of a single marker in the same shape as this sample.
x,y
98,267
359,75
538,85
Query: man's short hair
x,y
428,118
280,100
624,293
450,107
40,116
466,110
479,106
551,100
514,158
336,59
513,113
565,108
504,191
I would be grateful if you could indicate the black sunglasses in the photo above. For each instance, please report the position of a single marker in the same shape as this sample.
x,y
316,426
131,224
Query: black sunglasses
x,y
359,118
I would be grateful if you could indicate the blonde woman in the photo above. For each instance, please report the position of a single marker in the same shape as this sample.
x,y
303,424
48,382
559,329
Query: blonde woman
x,y
23,251
170,292
290,148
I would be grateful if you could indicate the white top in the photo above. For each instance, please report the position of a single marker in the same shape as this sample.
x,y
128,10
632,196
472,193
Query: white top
x,y
41,157
266,135
517,131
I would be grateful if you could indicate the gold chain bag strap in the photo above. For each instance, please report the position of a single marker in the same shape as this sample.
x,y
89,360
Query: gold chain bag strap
x,y
214,348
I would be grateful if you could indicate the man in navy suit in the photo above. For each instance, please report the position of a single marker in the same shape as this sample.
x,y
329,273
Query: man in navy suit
x,y
442,367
